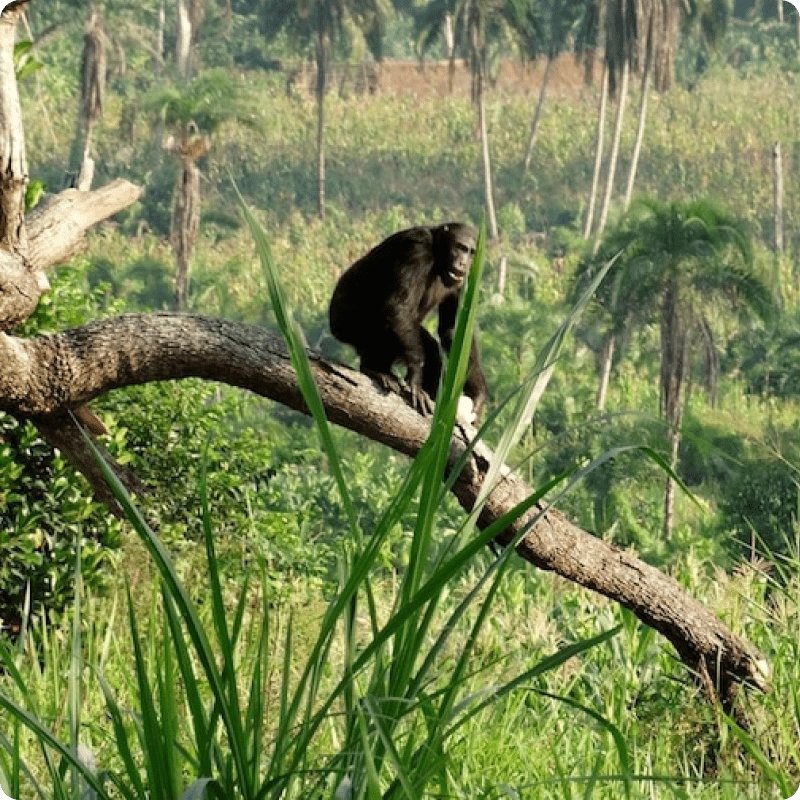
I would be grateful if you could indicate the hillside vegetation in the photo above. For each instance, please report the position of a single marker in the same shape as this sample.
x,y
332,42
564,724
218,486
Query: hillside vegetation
x,y
618,717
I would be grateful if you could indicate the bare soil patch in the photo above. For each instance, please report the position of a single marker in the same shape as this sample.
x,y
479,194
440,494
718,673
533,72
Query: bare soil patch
x,y
439,78
435,78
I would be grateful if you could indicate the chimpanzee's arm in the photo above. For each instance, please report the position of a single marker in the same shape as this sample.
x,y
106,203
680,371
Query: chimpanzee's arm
x,y
448,309
408,331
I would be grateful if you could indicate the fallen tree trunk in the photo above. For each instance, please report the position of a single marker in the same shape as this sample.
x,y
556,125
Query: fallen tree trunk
x,y
43,378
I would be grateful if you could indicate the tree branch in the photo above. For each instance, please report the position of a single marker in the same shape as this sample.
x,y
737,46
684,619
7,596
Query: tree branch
x,y
57,227
64,432
46,376
13,166
54,233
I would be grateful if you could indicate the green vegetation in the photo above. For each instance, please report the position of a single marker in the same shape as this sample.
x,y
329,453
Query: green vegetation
x,y
323,614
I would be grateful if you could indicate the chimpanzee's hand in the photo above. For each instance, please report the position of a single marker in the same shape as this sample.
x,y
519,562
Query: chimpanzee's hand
x,y
420,400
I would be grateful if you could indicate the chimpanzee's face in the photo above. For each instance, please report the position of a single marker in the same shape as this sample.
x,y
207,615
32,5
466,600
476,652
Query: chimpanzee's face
x,y
461,253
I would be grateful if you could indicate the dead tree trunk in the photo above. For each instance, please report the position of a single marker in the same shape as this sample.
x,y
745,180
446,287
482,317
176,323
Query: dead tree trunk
x,y
526,161
777,196
479,92
189,18
13,161
54,231
637,147
322,51
612,158
598,153
185,221
93,82
606,363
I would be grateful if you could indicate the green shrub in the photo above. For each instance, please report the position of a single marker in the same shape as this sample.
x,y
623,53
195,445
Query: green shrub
x,y
710,454
46,512
760,504
768,360
46,508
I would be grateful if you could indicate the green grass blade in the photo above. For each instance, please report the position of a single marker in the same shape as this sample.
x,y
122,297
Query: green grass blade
x,y
154,747
121,740
200,723
299,357
49,740
528,399
616,735
435,454
254,714
188,613
21,684
385,733
547,664
226,637
773,775
76,669
11,772
167,694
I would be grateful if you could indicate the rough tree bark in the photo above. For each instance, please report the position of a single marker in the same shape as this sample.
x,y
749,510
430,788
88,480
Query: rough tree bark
x,y
13,163
54,233
90,110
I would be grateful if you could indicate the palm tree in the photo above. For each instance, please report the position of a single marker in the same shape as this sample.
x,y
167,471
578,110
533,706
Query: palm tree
x,y
677,259
638,39
318,26
473,26
656,49
620,40
707,20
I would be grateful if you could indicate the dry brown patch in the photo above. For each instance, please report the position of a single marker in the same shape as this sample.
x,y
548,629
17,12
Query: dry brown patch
x,y
427,79
435,78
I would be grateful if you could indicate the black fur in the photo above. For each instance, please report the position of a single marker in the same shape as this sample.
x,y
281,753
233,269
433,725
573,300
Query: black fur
x,y
381,301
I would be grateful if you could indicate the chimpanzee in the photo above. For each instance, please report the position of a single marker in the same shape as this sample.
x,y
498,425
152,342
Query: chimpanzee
x,y
380,302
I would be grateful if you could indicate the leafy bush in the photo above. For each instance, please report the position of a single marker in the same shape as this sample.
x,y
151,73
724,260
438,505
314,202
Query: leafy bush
x,y
46,509
709,454
761,504
768,361
46,513
261,465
